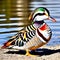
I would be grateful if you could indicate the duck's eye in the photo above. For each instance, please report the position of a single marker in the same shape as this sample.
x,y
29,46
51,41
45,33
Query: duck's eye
x,y
43,13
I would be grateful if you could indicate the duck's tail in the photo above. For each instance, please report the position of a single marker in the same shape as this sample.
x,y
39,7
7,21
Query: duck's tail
x,y
8,43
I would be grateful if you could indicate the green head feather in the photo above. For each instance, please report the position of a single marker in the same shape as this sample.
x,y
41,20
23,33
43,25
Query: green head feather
x,y
40,9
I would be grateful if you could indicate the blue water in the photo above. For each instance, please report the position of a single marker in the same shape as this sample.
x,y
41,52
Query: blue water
x,y
52,5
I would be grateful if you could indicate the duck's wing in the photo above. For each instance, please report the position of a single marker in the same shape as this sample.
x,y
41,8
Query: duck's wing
x,y
21,38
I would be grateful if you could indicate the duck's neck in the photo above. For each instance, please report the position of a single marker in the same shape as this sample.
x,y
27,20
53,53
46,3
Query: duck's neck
x,y
38,23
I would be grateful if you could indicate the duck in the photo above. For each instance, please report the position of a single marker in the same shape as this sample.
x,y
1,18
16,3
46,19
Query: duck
x,y
33,36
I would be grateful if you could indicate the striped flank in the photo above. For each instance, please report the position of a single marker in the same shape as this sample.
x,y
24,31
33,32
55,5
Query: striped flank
x,y
21,40
30,28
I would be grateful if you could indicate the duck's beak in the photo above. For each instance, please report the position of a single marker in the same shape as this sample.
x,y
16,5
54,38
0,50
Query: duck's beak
x,y
52,19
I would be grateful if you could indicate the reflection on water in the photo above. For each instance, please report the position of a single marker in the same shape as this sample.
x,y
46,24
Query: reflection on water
x,y
14,16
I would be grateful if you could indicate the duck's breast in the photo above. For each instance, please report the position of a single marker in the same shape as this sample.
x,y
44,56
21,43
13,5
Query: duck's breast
x,y
44,32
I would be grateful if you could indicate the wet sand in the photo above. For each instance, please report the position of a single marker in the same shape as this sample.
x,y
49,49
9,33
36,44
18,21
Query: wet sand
x,y
43,53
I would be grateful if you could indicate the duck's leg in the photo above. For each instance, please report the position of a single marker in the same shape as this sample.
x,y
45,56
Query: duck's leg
x,y
28,54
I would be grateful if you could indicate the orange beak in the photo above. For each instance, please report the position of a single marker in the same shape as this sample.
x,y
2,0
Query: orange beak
x,y
52,19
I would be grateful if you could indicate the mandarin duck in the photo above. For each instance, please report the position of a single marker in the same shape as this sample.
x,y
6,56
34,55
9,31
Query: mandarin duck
x,y
35,35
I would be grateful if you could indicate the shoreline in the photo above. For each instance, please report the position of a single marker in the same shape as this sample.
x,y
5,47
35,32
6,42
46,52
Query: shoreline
x,y
43,53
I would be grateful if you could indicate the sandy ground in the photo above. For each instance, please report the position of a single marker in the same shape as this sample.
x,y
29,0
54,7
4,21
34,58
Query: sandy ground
x,y
43,53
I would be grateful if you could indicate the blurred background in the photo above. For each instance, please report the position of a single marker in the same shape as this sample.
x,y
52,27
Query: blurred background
x,y
14,16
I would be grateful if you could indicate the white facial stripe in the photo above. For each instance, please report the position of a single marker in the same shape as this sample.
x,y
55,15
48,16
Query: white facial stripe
x,y
38,18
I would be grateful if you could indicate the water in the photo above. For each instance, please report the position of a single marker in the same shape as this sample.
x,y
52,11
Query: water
x,y
17,18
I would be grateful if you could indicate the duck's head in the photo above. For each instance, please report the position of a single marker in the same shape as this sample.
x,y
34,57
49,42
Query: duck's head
x,y
41,14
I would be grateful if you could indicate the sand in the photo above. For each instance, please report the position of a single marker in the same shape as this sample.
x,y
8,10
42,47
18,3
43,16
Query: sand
x,y
43,53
